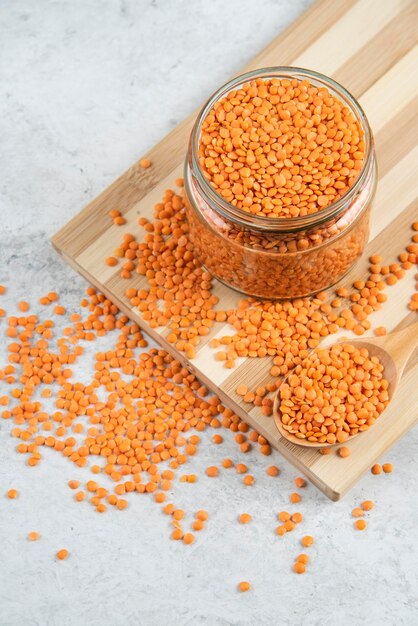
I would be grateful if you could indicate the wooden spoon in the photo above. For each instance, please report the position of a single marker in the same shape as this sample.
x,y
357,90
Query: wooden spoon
x,y
393,351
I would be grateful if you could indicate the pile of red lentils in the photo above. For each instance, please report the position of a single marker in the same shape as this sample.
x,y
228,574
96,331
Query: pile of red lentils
x,y
333,395
137,421
281,147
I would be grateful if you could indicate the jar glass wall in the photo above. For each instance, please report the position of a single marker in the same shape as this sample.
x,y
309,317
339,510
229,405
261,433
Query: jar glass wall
x,y
282,257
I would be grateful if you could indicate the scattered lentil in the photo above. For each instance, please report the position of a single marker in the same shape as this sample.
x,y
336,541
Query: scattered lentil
x,y
62,554
344,452
360,524
325,451
43,365
367,505
33,536
307,541
299,567
272,470
302,558
198,525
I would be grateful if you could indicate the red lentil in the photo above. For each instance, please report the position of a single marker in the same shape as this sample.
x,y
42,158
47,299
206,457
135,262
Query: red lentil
x,y
367,505
299,567
307,541
272,470
33,536
360,524
198,525
62,554
344,452
303,558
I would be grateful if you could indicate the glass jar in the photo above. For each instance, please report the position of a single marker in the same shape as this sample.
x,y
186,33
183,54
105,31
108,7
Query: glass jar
x,y
281,257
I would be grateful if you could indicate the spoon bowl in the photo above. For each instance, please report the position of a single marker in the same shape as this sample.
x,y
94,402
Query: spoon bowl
x,y
392,350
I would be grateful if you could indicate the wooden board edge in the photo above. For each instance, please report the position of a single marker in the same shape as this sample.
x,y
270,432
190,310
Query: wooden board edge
x,y
349,485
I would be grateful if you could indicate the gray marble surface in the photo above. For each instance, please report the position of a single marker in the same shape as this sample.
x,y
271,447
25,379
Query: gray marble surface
x,y
87,87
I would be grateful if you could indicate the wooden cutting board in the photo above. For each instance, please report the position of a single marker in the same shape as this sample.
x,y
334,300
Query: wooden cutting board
x,y
370,46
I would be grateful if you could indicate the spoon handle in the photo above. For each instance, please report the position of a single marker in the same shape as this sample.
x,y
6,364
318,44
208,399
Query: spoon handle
x,y
401,345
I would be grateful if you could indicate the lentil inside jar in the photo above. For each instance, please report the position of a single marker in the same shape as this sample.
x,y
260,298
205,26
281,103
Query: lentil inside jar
x,y
270,241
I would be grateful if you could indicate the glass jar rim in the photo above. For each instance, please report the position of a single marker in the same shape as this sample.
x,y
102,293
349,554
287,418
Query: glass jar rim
x,y
284,224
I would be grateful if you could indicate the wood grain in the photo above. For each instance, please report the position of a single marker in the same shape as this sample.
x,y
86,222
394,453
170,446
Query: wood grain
x,y
369,46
